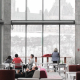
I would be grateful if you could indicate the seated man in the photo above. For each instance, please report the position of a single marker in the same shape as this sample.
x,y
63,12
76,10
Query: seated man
x,y
28,73
17,60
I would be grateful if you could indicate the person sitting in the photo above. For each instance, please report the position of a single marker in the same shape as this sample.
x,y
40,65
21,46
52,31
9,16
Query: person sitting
x,y
55,57
8,60
30,63
27,74
17,62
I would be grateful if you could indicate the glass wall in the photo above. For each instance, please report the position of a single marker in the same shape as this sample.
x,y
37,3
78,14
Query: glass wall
x,y
67,42
18,41
18,10
67,9
51,9
51,39
34,9
48,9
42,39
34,41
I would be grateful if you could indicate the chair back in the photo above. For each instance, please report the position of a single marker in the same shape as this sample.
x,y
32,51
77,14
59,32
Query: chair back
x,y
36,74
28,79
19,66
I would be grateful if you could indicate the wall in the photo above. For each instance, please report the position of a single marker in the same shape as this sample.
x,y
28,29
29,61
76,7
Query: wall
x,y
77,31
6,28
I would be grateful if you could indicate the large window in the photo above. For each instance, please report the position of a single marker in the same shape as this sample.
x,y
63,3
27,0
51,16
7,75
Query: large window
x,y
18,9
18,41
51,39
67,45
51,9
34,41
67,9
34,9
42,9
40,39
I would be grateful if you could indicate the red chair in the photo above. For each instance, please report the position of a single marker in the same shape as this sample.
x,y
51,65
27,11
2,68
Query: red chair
x,y
43,73
7,74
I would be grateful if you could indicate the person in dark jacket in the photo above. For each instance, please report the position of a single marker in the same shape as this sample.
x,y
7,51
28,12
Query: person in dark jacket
x,y
8,60
27,74
55,57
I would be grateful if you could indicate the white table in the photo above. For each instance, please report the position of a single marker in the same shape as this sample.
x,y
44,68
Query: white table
x,y
62,66
71,74
9,65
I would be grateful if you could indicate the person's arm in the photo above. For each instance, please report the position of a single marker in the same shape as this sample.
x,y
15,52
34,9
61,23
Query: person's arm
x,y
27,69
5,61
21,60
31,61
13,61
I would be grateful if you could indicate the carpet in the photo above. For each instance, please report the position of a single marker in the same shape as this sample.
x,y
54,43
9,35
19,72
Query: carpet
x,y
55,77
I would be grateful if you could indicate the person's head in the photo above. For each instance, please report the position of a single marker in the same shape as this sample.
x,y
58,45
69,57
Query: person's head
x,y
9,57
32,56
16,55
34,68
55,50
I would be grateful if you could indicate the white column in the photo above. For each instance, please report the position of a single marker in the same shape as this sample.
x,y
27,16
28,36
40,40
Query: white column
x,y
6,28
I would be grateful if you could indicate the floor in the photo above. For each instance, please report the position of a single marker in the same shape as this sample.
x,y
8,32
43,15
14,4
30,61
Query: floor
x,y
64,77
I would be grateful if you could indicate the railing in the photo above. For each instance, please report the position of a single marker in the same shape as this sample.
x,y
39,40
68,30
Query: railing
x,y
63,59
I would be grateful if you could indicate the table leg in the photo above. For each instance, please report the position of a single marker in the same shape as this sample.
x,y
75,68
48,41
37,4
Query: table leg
x,y
66,76
64,59
59,69
47,59
47,64
35,60
74,77
64,62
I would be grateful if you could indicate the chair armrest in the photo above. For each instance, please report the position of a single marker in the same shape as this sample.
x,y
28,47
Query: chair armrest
x,y
28,79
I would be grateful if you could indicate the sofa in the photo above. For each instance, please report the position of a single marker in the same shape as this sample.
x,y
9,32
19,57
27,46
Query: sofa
x,y
37,75
40,75
75,68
